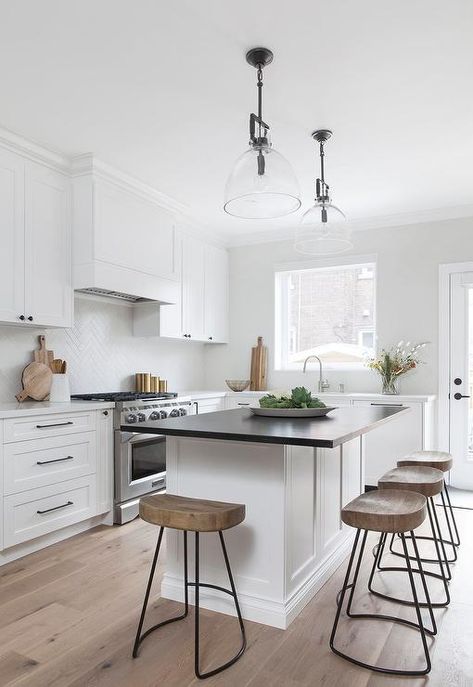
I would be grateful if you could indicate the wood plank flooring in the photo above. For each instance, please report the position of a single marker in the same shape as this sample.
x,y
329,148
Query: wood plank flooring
x,y
68,615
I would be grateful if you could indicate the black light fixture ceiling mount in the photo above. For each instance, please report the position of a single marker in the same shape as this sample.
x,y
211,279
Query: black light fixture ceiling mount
x,y
262,184
323,229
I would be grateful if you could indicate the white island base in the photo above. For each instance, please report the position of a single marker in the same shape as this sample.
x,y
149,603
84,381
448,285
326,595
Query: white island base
x,y
292,539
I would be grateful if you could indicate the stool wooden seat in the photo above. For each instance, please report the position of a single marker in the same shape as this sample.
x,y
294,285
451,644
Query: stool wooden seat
x,y
430,459
386,511
192,515
441,460
423,480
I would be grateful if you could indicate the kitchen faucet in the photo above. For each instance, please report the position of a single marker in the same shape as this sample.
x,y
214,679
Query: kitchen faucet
x,y
323,383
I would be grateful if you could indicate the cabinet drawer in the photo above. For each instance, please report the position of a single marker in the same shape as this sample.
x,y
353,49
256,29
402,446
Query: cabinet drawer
x,y
38,463
40,426
36,512
210,405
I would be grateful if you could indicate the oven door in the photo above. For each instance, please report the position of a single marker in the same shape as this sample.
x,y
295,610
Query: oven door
x,y
140,464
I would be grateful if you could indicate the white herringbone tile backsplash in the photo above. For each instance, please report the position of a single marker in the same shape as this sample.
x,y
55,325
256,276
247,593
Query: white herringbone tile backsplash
x,y
101,351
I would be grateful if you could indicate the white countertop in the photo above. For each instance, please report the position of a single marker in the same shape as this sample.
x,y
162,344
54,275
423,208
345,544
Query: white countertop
x,y
47,408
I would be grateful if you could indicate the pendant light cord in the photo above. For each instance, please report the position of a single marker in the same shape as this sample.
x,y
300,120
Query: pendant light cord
x,y
259,74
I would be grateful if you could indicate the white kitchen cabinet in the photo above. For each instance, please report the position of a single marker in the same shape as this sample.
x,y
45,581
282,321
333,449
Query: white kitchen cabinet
x,y
193,288
411,431
242,400
209,404
35,260
48,287
215,294
200,313
12,220
56,470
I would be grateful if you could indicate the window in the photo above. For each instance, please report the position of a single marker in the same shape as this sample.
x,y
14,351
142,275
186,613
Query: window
x,y
328,312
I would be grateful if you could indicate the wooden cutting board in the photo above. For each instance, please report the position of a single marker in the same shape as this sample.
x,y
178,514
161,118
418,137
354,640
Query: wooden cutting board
x,y
36,378
43,355
259,358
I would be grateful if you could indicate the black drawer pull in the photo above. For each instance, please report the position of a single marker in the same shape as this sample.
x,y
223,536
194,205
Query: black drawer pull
x,y
55,424
243,404
50,510
54,460
389,405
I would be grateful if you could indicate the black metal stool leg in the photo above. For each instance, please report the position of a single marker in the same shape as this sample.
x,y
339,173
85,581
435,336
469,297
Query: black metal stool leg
x,y
449,527
442,575
419,626
139,637
452,514
197,584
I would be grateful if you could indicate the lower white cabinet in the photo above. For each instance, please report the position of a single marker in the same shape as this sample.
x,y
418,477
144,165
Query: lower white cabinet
x,y
209,405
30,514
55,470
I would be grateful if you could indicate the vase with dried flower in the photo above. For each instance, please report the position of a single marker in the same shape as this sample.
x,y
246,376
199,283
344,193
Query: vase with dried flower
x,y
393,362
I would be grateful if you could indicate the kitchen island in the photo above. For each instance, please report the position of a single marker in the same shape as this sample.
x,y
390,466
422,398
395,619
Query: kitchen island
x,y
293,475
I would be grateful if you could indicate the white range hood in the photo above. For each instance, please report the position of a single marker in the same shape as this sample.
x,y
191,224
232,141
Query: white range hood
x,y
125,237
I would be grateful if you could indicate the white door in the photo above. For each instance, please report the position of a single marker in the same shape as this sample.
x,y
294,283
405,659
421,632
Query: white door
x,y
48,278
461,379
12,232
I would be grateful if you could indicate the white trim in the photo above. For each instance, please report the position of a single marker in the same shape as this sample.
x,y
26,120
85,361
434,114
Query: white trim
x,y
443,405
320,263
34,151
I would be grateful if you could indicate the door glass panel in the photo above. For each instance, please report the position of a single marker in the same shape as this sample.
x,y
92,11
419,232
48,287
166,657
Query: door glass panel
x,y
148,458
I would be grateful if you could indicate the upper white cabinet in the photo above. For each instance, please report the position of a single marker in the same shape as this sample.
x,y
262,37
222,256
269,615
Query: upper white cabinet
x,y
193,280
201,310
35,260
215,294
48,288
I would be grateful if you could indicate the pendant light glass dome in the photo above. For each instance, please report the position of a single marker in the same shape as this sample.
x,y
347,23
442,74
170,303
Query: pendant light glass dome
x,y
262,184
251,195
323,229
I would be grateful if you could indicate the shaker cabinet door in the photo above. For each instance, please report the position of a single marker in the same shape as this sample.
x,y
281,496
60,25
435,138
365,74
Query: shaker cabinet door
x,y
48,282
12,268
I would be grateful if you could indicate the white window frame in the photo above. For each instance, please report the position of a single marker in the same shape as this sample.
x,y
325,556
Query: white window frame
x,y
280,307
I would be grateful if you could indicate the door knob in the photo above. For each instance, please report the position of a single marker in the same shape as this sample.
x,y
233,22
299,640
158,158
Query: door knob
x,y
457,381
458,396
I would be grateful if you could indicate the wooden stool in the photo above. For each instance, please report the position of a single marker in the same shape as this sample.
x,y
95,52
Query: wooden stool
x,y
391,512
442,461
194,515
428,482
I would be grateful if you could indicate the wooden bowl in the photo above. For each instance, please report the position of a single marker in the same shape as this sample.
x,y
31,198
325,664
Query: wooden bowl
x,y
237,384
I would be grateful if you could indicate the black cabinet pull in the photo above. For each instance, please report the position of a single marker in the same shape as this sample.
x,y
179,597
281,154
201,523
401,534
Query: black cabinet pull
x,y
459,396
243,404
50,510
105,412
210,338
55,424
389,405
30,318
21,317
54,460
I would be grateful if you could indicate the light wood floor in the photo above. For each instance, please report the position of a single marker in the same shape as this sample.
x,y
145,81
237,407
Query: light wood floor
x,y
68,616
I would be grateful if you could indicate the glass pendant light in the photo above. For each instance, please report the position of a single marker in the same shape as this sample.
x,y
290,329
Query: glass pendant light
x,y
323,229
262,184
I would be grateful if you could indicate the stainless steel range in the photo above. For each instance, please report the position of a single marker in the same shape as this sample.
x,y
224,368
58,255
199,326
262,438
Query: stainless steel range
x,y
139,459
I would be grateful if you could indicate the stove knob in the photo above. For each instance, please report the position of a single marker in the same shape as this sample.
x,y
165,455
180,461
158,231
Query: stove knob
x,y
131,418
163,414
182,411
174,412
141,417
154,415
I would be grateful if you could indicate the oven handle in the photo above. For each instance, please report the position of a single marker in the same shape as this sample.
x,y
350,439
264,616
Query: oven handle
x,y
137,437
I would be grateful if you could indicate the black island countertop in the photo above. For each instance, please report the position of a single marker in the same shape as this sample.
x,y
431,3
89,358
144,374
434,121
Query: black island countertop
x,y
332,430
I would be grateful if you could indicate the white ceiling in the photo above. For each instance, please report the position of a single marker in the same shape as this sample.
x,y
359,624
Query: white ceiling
x,y
162,91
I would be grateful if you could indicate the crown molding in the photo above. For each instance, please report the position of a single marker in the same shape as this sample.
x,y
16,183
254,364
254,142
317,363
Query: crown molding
x,y
34,151
380,222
